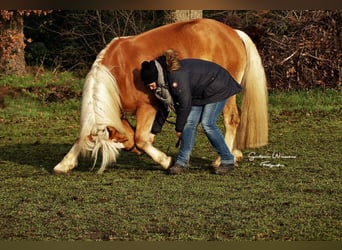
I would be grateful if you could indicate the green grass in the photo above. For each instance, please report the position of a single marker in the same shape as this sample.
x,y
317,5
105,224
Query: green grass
x,y
296,198
308,101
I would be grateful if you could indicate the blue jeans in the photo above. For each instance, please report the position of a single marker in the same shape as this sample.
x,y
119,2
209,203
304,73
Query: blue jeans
x,y
207,115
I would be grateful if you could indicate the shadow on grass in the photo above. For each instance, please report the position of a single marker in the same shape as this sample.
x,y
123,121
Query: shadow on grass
x,y
46,156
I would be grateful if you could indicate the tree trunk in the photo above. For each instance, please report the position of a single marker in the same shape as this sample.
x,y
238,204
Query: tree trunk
x,y
12,59
184,15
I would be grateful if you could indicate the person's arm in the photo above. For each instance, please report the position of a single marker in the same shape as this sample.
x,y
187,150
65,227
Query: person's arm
x,y
183,103
160,119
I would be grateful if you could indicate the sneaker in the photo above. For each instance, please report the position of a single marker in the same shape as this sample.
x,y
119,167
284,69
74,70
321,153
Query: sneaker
x,y
223,169
177,169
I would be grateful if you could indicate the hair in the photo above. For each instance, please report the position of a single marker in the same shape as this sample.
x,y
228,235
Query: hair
x,y
172,60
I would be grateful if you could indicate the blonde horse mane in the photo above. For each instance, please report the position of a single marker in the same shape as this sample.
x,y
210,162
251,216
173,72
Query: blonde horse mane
x,y
253,129
101,108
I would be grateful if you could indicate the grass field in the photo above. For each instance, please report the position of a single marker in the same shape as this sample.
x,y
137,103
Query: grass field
x,y
288,190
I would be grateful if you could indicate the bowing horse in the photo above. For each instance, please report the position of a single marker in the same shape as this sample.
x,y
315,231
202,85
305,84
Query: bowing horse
x,y
113,88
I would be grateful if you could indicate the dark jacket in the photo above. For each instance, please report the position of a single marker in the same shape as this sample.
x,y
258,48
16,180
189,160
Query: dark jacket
x,y
196,83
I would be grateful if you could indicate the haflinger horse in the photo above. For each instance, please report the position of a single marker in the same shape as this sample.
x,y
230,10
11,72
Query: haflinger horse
x,y
113,87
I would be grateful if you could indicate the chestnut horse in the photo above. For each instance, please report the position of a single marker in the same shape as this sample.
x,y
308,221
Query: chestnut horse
x,y
113,88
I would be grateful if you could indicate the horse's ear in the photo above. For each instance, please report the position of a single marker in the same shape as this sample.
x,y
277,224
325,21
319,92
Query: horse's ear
x,y
116,136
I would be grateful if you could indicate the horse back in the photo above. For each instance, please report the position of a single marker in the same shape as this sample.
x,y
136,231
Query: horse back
x,y
200,38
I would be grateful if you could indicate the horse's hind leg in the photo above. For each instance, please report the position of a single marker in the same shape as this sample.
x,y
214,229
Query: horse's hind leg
x,y
69,161
231,120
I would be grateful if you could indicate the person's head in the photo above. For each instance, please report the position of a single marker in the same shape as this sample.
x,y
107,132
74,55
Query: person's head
x,y
149,74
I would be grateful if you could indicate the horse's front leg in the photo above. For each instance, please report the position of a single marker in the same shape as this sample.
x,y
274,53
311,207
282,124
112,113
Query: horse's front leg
x,y
69,161
145,118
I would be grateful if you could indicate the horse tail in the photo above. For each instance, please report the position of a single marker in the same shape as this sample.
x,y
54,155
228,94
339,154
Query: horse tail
x,y
101,107
253,129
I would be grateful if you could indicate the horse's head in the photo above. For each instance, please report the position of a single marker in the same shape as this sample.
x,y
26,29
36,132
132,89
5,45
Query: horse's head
x,y
126,139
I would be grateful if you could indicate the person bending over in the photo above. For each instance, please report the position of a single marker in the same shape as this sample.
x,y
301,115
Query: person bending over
x,y
197,91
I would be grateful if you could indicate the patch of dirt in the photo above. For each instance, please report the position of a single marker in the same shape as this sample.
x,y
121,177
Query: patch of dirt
x,y
50,93
61,93
5,91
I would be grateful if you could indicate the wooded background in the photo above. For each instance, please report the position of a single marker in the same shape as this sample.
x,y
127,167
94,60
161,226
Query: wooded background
x,y
300,49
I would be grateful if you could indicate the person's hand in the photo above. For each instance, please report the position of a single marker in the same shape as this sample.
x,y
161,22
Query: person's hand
x,y
179,134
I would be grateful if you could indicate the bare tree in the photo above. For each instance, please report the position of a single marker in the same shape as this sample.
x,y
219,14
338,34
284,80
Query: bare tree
x,y
12,59
79,35
184,15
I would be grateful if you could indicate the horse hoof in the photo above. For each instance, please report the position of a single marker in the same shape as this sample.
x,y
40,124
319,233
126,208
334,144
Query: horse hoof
x,y
237,155
168,163
172,162
59,171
